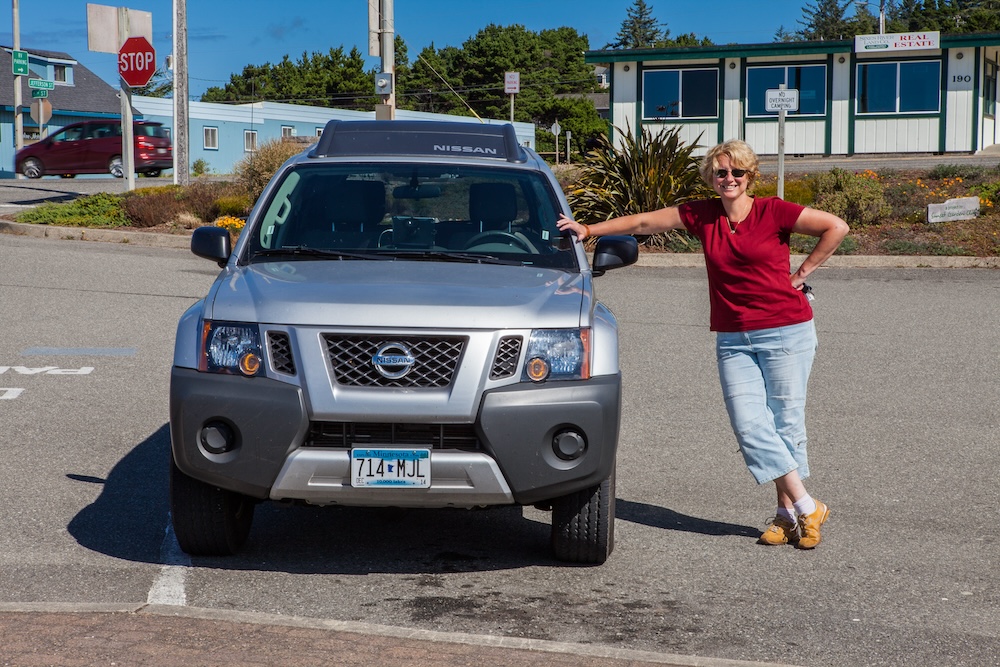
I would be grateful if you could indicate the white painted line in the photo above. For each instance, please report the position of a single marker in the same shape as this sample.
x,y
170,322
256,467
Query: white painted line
x,y
169,588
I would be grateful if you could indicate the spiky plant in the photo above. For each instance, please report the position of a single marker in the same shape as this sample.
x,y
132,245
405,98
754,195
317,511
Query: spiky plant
x,y
648,172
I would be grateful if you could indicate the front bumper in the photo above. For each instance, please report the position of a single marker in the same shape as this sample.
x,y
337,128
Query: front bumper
x,y
515,462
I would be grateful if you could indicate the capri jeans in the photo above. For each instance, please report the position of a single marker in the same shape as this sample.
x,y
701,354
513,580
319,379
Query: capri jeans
x,y
764,374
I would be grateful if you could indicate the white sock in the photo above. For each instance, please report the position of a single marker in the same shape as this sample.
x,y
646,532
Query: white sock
x,y
805,505
786,513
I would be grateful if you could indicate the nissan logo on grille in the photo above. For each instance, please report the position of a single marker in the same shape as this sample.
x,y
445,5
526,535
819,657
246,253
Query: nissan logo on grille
x,y
393,360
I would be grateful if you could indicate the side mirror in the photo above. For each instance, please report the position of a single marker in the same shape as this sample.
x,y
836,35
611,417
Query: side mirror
x,y
212,243
614,252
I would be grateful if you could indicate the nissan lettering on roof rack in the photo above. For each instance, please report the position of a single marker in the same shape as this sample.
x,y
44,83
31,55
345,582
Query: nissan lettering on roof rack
x,y
400,324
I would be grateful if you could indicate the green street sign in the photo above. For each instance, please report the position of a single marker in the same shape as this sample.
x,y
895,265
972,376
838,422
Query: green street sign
x,y
41,84
19,62
39,93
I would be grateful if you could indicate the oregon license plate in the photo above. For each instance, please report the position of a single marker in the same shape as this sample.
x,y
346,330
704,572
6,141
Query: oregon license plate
x,y
391,467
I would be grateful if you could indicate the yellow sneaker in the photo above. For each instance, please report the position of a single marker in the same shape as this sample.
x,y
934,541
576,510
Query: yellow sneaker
x,y
809,525
781,531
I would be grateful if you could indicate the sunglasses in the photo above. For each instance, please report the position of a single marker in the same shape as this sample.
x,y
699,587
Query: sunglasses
x,y
737,173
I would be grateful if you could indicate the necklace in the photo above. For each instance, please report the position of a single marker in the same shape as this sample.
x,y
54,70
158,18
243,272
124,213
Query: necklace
x,y
734,225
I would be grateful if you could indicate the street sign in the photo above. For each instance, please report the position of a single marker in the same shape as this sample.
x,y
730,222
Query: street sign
x,y
512,83
19,62
136,62
36,94
41,111
41,84
782,99
555,129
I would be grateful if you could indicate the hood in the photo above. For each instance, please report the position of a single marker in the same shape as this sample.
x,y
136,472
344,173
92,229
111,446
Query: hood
x,y
398,294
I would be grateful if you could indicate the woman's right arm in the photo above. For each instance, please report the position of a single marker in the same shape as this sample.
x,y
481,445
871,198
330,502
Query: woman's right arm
x,y
651,222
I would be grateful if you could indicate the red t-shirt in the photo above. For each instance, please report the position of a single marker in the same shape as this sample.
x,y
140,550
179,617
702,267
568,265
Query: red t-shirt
x,y
748,271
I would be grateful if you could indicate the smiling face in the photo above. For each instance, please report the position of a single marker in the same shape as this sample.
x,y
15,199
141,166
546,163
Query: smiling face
x,y
729,186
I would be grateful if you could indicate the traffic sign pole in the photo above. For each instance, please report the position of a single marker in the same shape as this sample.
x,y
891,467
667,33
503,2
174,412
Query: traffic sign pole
x,y
128,143
781,149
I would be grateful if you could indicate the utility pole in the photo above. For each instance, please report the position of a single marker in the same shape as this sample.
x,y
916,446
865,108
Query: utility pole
x,y
382,43
182,156
18,116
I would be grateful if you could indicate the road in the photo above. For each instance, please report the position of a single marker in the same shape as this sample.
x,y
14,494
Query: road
x,y
903,433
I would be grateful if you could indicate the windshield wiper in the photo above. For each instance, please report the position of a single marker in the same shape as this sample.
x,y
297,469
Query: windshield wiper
x,y
453,256
303,251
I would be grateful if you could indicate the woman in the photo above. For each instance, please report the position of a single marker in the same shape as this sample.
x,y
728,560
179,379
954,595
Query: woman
x,y
765,337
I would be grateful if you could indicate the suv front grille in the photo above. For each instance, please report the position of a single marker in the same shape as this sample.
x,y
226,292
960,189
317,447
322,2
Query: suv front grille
x,y
435,360
505,362
281,352
363,434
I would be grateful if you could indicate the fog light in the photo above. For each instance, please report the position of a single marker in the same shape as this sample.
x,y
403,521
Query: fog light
x,y
537,369
569,445
249,364
217,437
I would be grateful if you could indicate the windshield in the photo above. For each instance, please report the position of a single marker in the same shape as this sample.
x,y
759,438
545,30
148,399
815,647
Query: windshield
x,y
413,212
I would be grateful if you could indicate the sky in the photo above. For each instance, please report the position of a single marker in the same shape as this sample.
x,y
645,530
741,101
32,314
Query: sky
x,y
226,35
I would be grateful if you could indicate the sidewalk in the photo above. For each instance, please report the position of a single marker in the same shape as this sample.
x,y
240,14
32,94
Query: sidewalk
x,y
651,259
166,636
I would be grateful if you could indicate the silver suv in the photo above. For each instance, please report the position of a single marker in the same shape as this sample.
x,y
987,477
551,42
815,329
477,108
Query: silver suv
x,y
401,324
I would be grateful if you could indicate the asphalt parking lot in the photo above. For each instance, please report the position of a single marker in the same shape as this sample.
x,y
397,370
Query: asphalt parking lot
x,y
903,429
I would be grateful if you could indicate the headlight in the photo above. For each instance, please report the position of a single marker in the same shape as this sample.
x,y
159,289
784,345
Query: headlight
x,y
230,348
558,354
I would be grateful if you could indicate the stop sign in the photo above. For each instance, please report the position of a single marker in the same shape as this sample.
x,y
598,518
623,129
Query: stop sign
x,y
136,61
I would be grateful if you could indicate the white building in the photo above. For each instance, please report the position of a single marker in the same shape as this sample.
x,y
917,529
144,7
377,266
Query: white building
x,y
910,93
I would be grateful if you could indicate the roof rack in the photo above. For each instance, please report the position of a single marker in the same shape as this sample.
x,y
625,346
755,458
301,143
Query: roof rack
x,y
417,137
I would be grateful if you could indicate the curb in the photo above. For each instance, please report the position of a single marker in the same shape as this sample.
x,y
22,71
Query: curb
x,y
629,656
647,259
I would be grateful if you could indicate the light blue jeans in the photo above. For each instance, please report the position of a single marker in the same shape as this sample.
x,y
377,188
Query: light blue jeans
x,y
764,374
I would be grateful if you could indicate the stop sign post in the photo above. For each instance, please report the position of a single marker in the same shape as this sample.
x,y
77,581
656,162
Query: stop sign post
x,y
136,62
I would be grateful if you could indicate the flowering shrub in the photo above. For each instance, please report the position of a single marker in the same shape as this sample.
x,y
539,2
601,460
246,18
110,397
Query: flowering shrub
x,y
233,225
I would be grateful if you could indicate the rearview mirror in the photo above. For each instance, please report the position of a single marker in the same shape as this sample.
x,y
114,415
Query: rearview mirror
x,y
416,191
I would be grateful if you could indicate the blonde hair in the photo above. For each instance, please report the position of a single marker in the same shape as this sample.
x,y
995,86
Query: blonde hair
x,y
740,155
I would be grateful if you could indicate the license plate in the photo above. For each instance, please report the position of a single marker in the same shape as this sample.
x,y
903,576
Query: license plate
x,y
391,467
161,151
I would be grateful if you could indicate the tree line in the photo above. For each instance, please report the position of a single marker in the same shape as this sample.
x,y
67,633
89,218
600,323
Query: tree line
x,y
554,79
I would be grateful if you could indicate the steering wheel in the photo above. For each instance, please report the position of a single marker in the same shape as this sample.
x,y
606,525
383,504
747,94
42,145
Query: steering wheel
x,y
499,236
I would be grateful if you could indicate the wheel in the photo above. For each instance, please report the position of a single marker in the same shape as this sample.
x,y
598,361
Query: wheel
x,y
117,167
208,521
583,524
32,168
152,173
504,237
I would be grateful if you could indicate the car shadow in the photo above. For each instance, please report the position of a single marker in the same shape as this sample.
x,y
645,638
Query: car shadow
x,y
129,520
655,516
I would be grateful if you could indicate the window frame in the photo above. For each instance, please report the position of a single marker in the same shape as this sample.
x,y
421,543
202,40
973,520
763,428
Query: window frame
x,y
682,73
206,144
990,89
287,131
898,93
249,141
823,90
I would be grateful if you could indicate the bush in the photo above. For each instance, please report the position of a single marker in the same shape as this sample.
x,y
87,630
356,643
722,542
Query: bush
x,y
857,198
100,210
649,172
798,190
236,206
199,167
254,171
151,207
803,245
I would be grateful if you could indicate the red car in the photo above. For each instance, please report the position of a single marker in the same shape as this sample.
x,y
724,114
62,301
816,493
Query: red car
x,y
95,147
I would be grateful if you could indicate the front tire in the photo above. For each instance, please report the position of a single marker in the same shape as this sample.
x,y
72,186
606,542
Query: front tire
x,y
32,168
117,167
583,524
208,521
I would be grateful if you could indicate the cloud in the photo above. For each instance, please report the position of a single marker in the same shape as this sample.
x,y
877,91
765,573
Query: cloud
x,y
279,31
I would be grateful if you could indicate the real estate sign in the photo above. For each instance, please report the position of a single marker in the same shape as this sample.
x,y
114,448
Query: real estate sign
x,y
898,41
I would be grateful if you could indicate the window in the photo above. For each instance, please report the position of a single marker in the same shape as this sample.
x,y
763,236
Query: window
x,y
249,140
319,131
680,93
990,89
211,138
59,73
903,87
287,131
809,80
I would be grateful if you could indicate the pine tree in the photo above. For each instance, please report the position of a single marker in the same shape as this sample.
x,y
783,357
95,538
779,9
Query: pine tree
x,y
825,20
640,30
